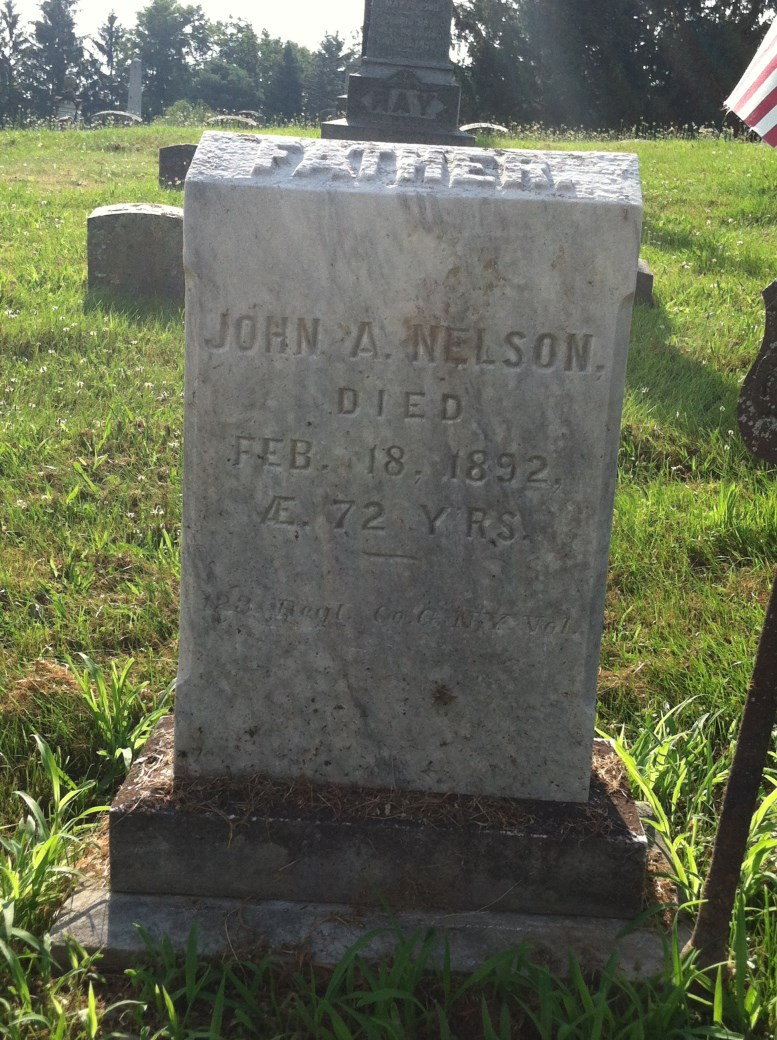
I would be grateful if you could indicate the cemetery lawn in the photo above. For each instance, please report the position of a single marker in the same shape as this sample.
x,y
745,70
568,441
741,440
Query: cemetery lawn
x,y
90,502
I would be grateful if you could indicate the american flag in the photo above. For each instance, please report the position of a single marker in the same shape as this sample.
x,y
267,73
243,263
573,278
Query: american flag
x,y
754,98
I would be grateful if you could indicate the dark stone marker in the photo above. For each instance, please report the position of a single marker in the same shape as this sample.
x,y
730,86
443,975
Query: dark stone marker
x,y
405,89
644,293
174,163
757,409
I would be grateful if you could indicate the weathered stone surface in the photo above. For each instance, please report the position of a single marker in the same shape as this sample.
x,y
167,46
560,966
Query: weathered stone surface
x,y
405,89
174,163
644,292
136,249
106,923
216,840
404,378
410,32
405,104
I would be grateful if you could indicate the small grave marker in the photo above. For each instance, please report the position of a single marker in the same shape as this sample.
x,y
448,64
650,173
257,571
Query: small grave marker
x,y
136,249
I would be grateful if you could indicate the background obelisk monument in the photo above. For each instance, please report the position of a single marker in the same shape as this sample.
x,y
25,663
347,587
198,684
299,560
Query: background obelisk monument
x,y
405,88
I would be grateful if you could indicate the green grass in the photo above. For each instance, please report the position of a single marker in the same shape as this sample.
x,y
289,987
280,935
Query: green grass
x,y
90,493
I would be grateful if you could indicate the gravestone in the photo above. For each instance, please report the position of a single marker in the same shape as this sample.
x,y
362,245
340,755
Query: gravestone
x,y
67,109
404,375
405,89
423,433
174,163
69,104
135,89
135,249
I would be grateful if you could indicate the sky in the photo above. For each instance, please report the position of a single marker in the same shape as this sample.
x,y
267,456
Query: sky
x,y
303,21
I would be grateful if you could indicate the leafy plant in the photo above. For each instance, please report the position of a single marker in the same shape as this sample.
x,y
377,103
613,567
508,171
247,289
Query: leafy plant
x,y
124,717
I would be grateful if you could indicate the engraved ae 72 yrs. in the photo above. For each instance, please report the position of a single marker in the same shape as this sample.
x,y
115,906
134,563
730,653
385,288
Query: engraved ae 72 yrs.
x,y
495,526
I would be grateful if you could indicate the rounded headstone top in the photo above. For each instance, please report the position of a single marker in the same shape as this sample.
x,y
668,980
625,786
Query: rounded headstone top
x,y
154,209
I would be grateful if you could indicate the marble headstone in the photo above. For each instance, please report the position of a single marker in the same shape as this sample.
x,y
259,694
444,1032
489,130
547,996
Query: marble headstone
x,y
405,88
404,377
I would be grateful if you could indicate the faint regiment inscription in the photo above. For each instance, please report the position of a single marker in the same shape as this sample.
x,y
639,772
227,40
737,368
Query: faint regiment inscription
x,y
401,434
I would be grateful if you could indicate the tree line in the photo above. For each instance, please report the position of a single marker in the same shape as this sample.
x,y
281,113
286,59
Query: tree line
x,y
601,64
606,64
226,66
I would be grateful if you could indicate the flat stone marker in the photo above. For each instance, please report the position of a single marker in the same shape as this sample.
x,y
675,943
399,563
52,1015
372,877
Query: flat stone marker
x,y
136,249
404,377
405,89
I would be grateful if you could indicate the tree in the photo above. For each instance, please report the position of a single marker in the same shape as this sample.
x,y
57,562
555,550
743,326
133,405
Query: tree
x,y
237,44
106,89
269,53
605,63
283,96
703,49
229,80
593,62
224,86
56,55
14,48
498,80
171,41
326,77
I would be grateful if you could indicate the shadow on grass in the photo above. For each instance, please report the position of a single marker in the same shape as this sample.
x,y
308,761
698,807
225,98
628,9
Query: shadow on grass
x,y
679,391
136,308
700,246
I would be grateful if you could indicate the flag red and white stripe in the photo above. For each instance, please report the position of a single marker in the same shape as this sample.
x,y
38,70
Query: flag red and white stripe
x,y
754,98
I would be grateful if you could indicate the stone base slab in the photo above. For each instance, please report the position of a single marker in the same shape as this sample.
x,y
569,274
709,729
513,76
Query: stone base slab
x,y
108,923
295,841
348,130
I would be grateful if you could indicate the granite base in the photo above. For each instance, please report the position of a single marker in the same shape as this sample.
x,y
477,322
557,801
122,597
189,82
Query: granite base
x,y
265,839
276,865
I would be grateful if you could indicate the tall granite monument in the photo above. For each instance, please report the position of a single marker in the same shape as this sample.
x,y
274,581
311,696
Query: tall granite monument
x,y
404,374
405,89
